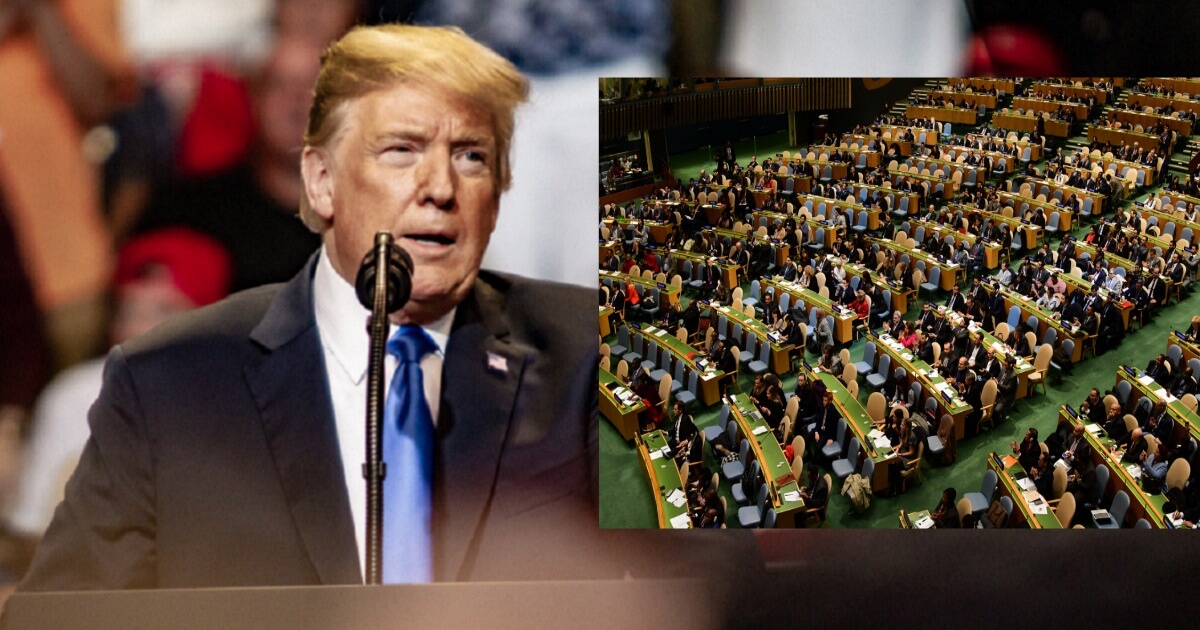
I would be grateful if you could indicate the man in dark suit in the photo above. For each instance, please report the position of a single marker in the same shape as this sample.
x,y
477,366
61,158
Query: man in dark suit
x,y
225,447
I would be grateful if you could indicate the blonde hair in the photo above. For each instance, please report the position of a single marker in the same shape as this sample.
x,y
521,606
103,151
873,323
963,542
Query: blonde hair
x,y
369,58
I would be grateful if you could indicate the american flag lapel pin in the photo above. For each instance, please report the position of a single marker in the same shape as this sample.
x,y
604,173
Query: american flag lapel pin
x,y
497,363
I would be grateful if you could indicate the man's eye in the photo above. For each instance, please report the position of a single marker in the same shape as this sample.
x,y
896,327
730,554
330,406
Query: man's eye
x,y
475,156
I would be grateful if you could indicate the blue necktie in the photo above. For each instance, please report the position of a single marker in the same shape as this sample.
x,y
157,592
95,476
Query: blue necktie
x,y
408,452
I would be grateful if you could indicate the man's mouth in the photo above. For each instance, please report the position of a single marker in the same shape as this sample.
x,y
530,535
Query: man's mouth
x,y
430,239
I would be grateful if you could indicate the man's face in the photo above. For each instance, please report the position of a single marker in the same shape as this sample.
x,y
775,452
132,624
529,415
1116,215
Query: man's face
x,y
418,162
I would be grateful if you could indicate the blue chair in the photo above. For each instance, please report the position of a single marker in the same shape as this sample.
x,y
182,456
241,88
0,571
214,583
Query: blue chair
x,y
902,207
935,278
877,378
1026,155
751,516
1123,391
747,355
1085,210
679,375
785,301
1001,166
697,278
740,493
1014,317
862,162
1052,226
732,471
843,468
755,294
834,451
622,346
711,432
652,311
636,348
689,396
1174,354
1143,524
919,234
1194,363
827,173
1050,337
1120,505
769,519
867,365
762,364
1068,346
982,499
818,241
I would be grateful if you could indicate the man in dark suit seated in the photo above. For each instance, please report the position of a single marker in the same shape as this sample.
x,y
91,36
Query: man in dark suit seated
x,y
815,493
226,447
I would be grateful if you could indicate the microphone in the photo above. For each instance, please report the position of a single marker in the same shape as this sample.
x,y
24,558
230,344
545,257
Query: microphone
x,y
396,266
386,268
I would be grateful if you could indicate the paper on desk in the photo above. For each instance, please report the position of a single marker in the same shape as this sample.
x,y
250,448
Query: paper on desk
x,y
882,443
660,332
1093,428
1025,483
682,521
791,496
759,430
1170,398
1134,470
925,522
1145,379
656,454
875,434
1036,503
677,498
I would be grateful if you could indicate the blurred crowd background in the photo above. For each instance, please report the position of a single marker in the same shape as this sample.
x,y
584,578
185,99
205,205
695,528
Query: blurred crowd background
x,y
149,150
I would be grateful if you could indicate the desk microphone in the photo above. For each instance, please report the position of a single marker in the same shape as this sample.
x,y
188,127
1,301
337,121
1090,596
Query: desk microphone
x,y
383,284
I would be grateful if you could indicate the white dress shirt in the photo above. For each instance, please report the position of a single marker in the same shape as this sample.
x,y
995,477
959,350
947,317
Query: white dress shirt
x,y
342,324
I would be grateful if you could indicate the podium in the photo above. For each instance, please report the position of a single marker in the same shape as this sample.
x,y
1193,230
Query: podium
x,y
562,604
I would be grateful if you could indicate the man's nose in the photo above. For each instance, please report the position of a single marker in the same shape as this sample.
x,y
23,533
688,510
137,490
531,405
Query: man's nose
x,y
436,185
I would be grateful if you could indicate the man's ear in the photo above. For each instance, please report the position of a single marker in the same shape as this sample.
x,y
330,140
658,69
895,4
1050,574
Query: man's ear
x,y
316,166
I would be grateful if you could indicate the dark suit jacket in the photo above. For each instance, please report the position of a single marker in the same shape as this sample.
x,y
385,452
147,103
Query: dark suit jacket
x,y
214,460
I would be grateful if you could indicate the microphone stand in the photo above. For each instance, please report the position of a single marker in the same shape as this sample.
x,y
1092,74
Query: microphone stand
x,y
374,470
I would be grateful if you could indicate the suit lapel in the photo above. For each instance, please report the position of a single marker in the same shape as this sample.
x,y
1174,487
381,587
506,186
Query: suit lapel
x,y
292,394
480,379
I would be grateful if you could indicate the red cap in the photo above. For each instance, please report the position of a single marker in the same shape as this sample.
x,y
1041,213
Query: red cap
x,y
198,264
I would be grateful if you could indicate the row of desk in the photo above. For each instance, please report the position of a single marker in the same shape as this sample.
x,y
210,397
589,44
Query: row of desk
x,y
952,153
1018,203
942,114
783,488
1054,90
949,270
1050,106
991,249
1032,232
903,147
947,192
1048,187
1122,137
1029,506
1141,99
843,319
900,293
1180,126
1046,319
1025,122
931,381
669,293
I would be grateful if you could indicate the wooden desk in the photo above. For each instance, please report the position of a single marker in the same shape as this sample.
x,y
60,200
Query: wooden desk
x,y
665,480
623,416
950,152
843,320
1008,484
802,202
897,131
970,99
728,269
1033,233
1050,106
1187,422
900,293
942,114
1023,368
1074,282
1035,148
911,519
893,196
660,231
860,425
605,326
991,250
669,293
1123,137
1053,90
1008,86
1047,187
1127,264
931,382
1190,349
1106,451
1189,86
1145,119
708,376
783,488
1158,101
949,270
947,185
950,168
903,147
780,363
1017,201
800,183
1024,122
838,170
1149,173
1045,320
873,157
782,249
